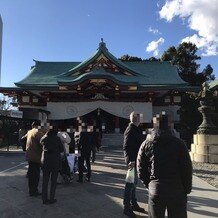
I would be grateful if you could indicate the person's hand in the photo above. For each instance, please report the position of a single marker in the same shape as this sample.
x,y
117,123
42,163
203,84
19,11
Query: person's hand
x,y
131,164
79,153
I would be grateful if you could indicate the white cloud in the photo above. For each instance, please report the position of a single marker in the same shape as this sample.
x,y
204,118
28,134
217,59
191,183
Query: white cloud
x,y
154,31
153,46
209,47
201,16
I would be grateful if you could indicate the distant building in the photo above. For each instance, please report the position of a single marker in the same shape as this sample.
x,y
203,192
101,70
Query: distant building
x,y
1,32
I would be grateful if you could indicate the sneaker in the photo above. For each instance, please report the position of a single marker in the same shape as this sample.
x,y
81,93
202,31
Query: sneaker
x,y
87,179
129,213
138,209
80,181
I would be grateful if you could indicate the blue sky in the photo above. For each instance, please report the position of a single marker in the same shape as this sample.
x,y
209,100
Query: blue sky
x,y
70,30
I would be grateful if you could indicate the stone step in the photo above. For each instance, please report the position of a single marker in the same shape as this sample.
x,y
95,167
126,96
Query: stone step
x,y
112,139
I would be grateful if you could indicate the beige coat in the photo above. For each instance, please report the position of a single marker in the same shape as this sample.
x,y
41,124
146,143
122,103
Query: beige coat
x,y
33,147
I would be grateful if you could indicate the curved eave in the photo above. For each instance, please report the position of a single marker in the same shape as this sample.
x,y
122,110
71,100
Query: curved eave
x,y
85,77
10,88
101,50
29,75
37,86
182,87
44,71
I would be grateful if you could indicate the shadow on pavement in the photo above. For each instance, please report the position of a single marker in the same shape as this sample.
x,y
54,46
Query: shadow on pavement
x,y
102,197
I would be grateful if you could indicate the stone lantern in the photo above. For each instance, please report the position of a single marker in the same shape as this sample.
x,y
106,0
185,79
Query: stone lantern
x,y
205,142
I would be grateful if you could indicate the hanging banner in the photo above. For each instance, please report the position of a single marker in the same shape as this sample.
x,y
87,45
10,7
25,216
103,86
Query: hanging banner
x,y
68,110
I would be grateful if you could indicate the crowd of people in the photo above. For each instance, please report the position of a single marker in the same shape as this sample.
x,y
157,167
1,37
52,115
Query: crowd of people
x,y
49,148
160,159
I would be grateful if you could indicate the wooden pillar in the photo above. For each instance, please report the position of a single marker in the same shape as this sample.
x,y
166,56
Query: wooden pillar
x,y
117,124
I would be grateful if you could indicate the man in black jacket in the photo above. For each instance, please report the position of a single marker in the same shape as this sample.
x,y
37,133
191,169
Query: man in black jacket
x,y
51,163
132,141
165,168
85,142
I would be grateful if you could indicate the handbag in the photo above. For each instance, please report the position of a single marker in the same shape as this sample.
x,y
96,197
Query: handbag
x,y
130,176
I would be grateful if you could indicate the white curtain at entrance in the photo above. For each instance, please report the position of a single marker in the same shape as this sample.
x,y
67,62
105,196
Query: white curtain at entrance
x,y
68,110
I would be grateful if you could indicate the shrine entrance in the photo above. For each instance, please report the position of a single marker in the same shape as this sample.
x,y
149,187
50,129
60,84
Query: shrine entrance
x,y
109,123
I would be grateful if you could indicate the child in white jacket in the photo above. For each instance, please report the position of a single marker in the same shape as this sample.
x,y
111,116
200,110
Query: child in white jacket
x,y
65,139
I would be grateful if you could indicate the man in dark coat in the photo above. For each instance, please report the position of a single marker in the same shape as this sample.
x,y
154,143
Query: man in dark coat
x,y
165,168
132,141
85,142
51,163
96,142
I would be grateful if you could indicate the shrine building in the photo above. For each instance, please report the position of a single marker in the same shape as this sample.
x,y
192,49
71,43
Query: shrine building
x,y
101,87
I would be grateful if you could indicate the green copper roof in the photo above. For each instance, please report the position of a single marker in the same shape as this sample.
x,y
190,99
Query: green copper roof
x,y
155,72
102,49
99,73
146,73
45,73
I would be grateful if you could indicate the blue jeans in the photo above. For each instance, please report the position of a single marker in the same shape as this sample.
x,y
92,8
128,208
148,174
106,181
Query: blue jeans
x,y
130,193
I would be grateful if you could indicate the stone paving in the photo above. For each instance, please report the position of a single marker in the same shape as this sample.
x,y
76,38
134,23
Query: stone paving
x,y
101,198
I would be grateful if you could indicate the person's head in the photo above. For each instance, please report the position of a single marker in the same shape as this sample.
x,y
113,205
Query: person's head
x,y
135,118
82,126
62,128
156,121
36,124
53,130
162,121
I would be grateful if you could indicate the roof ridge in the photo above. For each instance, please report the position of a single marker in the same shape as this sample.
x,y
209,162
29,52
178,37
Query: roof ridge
x,y
102,49
37,61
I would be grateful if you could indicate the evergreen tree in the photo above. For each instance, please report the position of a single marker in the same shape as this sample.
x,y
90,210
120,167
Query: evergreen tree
x,y
185,58
130,58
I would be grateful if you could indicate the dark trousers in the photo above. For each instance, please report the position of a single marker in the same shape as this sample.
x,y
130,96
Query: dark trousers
x,y
175,206
65,169
93,153
130,193
81,160
33,177
47,174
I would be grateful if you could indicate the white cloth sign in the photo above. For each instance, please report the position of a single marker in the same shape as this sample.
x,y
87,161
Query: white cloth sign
x,y
68,110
